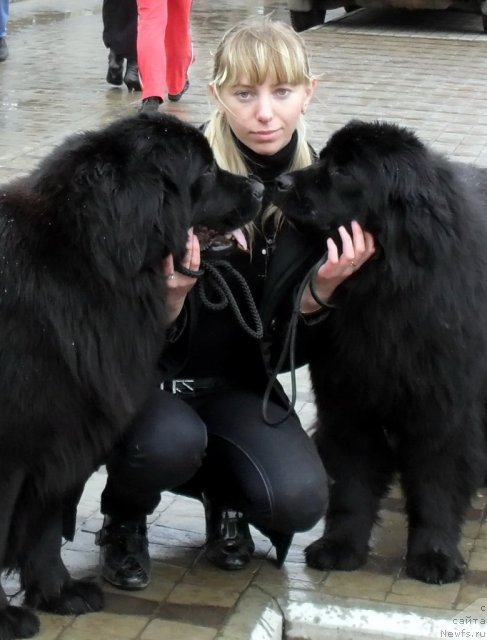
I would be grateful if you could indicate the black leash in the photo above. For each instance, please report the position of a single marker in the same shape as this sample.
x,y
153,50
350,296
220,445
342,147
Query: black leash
x,y
289,345
215,285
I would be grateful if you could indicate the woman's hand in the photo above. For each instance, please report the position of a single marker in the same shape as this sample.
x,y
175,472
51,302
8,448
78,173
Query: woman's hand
x,y
178,284
356,249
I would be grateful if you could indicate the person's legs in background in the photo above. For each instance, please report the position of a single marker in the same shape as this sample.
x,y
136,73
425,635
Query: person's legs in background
x,y
120,36
179,48
4,10
153,15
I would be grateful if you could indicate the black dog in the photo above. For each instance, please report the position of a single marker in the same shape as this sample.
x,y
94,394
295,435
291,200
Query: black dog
x,y
82,323
399,367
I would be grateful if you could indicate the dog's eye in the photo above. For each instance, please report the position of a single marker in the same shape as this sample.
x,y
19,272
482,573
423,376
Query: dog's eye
x,y
345,182
207,176
205,181
339,171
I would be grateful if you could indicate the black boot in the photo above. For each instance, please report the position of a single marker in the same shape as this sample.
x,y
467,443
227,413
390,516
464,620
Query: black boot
x,y
131,77
115,68
229,544
3,49
124,553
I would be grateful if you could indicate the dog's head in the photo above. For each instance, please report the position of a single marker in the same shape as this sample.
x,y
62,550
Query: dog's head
x,y
379,174
128,193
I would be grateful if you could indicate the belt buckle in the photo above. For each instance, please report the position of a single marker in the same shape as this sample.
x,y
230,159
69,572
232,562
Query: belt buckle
x,y
179,386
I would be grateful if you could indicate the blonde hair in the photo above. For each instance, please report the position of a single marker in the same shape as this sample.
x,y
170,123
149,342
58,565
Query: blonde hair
x,y
256,50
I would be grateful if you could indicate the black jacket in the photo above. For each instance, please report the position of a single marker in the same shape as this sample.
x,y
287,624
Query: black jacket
x,y
255,360
293,257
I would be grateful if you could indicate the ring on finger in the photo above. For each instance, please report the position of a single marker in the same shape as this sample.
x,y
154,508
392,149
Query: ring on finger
x,y
171,276
353,264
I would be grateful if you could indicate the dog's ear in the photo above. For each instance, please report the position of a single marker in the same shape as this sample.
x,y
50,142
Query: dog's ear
x,y
420,212
405,236
137,231
151,220
120,218
122,202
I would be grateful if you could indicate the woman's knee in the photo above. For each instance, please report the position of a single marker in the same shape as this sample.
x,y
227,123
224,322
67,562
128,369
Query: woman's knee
x,y
275,475
295,504
299,508
168,440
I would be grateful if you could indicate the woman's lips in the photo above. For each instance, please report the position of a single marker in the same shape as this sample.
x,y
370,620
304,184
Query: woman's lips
x,y
265,135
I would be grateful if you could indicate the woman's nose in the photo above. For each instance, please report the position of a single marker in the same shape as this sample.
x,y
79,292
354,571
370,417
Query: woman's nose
x,y
264,110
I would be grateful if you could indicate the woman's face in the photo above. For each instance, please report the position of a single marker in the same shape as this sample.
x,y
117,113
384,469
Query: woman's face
x,y
264,117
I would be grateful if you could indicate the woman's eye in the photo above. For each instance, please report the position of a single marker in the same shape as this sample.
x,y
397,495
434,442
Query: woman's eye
x,y
283,92
243,95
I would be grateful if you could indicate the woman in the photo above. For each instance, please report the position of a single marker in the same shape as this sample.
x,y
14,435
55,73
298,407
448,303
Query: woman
x,y
209,439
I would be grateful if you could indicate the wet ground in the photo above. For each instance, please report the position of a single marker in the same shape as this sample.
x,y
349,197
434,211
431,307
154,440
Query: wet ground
x,y
422,69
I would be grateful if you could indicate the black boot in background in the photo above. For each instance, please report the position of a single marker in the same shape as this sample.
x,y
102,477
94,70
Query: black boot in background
x,y
3,49
131,77
115,68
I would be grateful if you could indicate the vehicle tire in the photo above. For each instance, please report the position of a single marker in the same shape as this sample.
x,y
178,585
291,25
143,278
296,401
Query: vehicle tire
x,y
302,20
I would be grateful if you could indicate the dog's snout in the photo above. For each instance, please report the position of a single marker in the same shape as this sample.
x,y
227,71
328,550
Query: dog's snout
x,y
284,182
257,187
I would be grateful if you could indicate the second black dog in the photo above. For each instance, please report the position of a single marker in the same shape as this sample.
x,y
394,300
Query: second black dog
x,y
399,368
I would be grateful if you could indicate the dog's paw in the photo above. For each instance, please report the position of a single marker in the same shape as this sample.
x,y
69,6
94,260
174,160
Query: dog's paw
x,y
76,597
331,554
435,567
17,622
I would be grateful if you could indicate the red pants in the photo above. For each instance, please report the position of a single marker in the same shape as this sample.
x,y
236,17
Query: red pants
x,y
164,48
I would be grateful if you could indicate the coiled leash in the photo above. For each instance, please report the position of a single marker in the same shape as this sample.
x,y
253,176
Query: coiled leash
x,y
215,285
289,344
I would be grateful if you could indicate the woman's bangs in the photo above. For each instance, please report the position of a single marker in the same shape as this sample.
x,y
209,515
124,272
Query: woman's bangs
x,y
287,66
257,60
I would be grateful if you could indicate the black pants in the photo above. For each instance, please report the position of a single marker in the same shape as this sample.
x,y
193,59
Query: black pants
x,y
218,444
120,27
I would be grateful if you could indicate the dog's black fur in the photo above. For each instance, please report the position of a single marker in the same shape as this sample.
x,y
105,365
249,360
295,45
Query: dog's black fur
x,y
82,322
399,366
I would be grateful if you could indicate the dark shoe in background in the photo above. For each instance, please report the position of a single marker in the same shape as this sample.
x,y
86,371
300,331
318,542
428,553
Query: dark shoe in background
x,y
229,544
150,105
131,77
176,97
302,20
124,553
115,68
3,49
